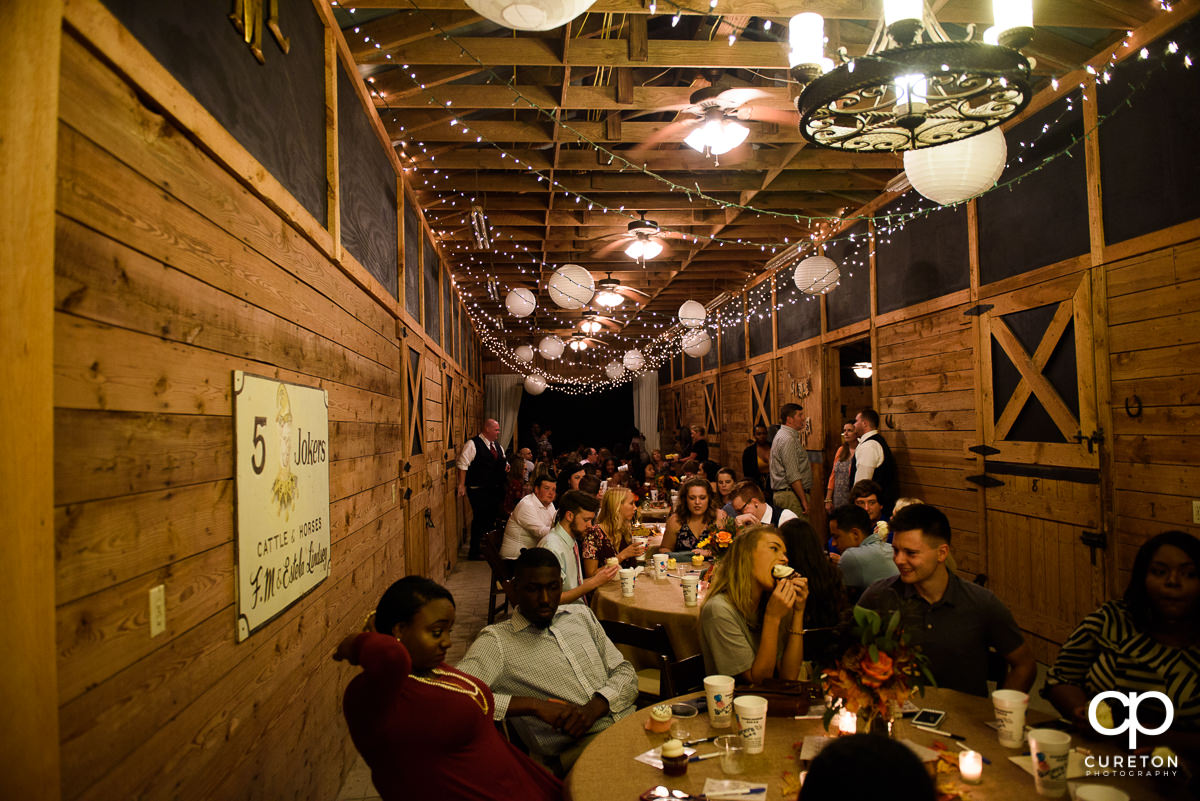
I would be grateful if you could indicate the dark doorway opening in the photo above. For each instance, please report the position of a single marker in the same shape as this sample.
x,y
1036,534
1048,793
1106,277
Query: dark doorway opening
x,y
599,420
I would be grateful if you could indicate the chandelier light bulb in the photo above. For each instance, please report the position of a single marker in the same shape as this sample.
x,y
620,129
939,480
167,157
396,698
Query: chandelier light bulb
x,y
912,94
806,35
899,10
1009,14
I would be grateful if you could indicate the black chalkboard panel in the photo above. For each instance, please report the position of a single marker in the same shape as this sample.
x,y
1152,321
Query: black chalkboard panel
x,y
1043,219
412,262
760,319
799,316
677,362
921,258
1148,165
664,373
367,188
276,110
692,365
850,301
447,316
429,287
733,333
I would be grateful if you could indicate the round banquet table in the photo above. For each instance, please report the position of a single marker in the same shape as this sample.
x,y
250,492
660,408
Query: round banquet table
x,y
607,769
653,602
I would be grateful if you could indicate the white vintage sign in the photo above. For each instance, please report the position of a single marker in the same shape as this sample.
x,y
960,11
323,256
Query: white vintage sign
x,y
281,442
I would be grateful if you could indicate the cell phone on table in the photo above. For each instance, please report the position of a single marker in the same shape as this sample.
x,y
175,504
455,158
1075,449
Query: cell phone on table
x,y
931,718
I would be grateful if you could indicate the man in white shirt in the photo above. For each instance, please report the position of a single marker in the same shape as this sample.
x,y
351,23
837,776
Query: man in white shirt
x,y
527,455
577,513
531,519
873,459
481,479
750,507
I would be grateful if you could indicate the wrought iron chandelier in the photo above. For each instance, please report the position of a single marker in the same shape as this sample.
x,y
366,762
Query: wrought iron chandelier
x,y
915,87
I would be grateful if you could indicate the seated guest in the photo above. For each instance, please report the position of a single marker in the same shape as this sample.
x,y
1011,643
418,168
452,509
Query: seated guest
x,y
695,517
574,518
531,519
726,481
865,495
689,469
424,728
884,534
751,508
826,593
864,557
546,651
867,767
590,484
569,477
612,534
1149,640
608,468
756,459
740,635
954,621
527,455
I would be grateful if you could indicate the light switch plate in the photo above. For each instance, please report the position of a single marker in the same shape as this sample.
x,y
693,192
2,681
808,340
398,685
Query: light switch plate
x,y
158,610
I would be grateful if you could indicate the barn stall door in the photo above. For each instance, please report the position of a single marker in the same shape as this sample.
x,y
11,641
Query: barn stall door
x,y
762,396
1043,516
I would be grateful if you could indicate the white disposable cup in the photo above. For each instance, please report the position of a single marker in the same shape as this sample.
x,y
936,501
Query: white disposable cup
x,y
751,711
1099,792
732,748
639,540
691,589
627,574
1049,749
660,565
1010,707
718,691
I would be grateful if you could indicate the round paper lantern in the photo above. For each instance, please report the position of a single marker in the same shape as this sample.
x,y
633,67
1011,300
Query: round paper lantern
x,y
697,343
530,15
633,360
614,370
551,347
535,384
524,354
520,302
692,314
957,171
816,275
571,286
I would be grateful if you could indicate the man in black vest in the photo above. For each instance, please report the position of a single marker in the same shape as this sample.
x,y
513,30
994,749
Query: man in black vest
x,y
481,477
873,459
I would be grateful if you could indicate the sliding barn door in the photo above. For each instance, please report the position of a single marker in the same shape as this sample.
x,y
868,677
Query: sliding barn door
x,y
1041,485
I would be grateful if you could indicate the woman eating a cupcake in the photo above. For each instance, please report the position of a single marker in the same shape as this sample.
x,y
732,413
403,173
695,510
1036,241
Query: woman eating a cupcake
x,y
751,623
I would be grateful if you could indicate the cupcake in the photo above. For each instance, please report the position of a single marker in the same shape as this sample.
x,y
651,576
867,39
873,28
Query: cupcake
x,y
660,718
674,758
781,572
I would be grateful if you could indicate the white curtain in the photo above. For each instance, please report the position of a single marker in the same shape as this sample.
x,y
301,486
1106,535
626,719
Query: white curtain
x,y
502,400
645,408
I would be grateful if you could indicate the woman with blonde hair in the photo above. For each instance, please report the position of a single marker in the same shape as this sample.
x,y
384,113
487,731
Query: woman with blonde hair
x,y
612,533
751,623
696,515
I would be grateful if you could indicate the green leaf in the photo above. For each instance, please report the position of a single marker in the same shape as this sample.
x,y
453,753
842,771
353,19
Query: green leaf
x,y
893,624
873,652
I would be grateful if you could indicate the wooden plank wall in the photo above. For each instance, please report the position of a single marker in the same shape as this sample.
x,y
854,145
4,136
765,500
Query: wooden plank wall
x,y
170,274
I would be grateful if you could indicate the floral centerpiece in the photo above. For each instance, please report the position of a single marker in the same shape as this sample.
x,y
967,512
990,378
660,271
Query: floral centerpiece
x,y
719,541
877,671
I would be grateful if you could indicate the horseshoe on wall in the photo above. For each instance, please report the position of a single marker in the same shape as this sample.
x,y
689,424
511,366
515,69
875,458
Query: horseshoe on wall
x,y
1136,411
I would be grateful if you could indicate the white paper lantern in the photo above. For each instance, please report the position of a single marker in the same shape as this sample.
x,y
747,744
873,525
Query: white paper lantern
x,y
697,343
957,171
535,384
816,275
633,360
551,347
520,302
524,353
571,286
530,15
692,314
614,370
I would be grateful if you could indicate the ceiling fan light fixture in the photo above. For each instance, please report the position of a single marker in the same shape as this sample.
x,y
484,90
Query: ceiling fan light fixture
x,y
717,136
641,249
863,370
609,299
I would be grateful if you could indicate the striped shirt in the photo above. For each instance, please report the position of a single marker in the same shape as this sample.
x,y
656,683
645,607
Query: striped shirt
x,y
571,660
1108,652
789,460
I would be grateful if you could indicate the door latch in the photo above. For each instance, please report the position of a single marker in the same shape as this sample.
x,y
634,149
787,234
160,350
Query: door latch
x,y
1094,540
1095,439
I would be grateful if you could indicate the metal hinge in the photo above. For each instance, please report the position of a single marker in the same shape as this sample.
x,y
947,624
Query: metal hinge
x,y
1094,540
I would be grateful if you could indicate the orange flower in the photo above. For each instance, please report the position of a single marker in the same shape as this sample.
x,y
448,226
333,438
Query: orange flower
x,y
876,672
724,538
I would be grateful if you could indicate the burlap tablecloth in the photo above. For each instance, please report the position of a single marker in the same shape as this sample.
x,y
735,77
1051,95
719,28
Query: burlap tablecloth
x,y
653,602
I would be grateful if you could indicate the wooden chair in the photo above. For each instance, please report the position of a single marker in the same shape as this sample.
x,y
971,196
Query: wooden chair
x,y
653,684
497,598
685,676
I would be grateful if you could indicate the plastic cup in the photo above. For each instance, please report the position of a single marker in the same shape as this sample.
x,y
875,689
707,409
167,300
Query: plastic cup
x,y
751,712
691,589
1049,749
627,574
1010,714
718,691
733,749
660,566
682,718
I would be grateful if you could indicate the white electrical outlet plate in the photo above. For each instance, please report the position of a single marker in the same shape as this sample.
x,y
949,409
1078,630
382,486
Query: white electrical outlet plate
x,y
1196,512
158,610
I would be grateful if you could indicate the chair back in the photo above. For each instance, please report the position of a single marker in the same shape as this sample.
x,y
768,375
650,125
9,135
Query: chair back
x,y
497,598
685,676
655,642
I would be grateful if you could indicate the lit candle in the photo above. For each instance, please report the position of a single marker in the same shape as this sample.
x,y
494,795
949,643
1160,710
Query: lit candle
x,y
970,765
847,722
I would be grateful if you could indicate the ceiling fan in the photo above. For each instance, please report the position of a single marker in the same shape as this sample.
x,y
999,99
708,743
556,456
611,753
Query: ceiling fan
x,y
593,322
643,239
580,342
609,292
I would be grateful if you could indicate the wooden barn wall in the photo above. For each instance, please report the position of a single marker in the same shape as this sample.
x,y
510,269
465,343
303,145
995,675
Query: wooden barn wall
x,y
176,263
928,385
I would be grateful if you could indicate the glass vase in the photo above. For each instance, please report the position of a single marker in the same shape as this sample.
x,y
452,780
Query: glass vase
x,y
873,721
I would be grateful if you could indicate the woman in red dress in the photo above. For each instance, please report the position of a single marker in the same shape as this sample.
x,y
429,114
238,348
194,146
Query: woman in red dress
x,y
424,728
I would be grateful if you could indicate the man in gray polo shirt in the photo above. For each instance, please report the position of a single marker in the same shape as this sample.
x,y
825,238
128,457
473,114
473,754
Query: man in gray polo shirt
x,y
955,622
791,474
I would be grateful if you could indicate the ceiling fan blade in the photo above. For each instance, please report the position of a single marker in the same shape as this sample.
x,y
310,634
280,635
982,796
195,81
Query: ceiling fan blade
x,y
675,107
624,288
672,130
738,96
622,240
767,114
